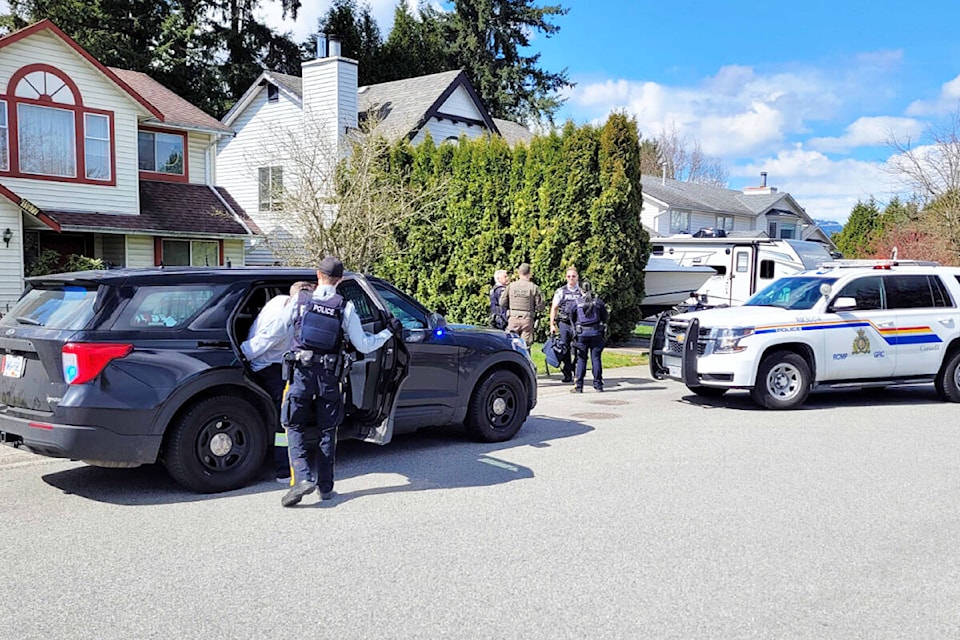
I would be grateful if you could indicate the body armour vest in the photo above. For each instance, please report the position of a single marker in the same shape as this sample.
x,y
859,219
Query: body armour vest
x,y
318,325
588,319
568,302
521,296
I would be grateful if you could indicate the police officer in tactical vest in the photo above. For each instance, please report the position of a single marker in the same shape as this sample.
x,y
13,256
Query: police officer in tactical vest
x,y
564,301
589,320
523,301
324,323
498,315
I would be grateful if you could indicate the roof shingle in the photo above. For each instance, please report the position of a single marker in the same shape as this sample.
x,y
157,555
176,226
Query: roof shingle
x,y
175,110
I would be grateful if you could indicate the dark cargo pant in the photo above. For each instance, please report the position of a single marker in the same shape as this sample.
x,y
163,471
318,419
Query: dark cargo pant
x,y
313,387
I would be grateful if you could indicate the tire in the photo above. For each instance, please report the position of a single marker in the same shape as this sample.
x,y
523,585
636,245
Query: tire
x,y
708,392
218,444
783,381
497,408
947,381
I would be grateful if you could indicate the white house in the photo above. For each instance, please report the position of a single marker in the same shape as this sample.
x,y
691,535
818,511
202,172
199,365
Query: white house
x,y
671,207
281,111
104,163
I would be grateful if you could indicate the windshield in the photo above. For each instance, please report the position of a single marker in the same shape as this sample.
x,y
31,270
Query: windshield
x,y
801,292
812,254
66,307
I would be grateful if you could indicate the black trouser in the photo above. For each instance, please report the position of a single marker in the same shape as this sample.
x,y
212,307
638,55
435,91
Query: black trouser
x,y
567,336
593,344
313,388
271,379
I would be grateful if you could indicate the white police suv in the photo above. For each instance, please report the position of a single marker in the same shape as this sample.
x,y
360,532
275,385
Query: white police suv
x,y
850,323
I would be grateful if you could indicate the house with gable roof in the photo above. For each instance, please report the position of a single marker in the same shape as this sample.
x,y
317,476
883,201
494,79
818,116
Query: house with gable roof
x,y
105,163
671,207
445,105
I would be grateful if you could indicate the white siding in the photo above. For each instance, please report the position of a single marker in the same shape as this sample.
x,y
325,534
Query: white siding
x,y
330,93
140,251
461,104
198,144
98,92
441,130
233,252
11,258
239,157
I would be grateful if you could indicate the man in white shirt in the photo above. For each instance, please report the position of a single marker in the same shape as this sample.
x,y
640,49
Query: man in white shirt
x,y
268,340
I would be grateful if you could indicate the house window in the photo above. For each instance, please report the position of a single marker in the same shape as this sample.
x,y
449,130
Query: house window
x,y
725,223
4,138
48,141
271,188
773,229
96,146
788,231
191,253
161,152
679,222
273,94
51,134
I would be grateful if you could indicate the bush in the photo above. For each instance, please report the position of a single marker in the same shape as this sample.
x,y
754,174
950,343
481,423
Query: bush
x,y
50,261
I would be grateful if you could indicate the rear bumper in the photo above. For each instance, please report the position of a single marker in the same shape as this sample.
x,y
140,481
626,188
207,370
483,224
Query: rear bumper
x,y
77,442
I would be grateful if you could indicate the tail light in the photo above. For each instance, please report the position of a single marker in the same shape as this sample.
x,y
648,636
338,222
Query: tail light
x,y
82,362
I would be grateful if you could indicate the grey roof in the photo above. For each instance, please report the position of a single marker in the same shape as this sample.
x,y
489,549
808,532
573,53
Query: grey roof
x,y
709,198
401,105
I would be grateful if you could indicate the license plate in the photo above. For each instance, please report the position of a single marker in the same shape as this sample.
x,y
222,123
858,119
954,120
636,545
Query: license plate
x,y
13,366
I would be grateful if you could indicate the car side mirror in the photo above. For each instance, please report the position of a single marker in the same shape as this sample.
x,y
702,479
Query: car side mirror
x,y
844,304
437,320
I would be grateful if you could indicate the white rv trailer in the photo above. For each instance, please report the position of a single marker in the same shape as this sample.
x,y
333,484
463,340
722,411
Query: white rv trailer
x,y
743,266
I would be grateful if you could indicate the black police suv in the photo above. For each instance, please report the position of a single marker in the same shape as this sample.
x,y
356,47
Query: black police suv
x,y
130,366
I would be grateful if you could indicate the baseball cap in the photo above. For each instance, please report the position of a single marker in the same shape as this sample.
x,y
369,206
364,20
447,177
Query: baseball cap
x,y
332,267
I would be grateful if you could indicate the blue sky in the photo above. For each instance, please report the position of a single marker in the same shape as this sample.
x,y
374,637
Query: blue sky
x,y
807,91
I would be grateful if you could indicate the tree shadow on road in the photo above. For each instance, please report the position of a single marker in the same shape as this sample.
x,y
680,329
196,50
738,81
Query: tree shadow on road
x,y
429,459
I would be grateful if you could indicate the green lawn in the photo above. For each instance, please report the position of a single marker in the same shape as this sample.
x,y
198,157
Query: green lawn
x,y
643,330
611,360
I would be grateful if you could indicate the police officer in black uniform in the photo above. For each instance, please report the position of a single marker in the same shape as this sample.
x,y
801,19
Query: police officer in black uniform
x,y
589,319
323,325
564,301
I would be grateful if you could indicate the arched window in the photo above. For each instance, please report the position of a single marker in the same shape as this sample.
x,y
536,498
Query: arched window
x,y
46,132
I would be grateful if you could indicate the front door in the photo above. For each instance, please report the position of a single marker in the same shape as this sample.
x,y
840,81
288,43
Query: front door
x,y
375,377
858,343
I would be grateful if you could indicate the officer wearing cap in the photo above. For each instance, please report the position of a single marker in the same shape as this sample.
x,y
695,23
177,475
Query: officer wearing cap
x,y
323,323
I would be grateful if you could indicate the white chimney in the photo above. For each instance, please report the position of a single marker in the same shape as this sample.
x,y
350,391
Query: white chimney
x,y
330,92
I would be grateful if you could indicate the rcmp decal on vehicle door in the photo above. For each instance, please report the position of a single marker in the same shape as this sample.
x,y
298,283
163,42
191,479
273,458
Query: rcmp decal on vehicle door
x,y
892,336
861,344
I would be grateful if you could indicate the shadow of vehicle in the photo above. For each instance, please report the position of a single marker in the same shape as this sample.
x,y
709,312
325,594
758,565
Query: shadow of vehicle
x,y
438,458
828,398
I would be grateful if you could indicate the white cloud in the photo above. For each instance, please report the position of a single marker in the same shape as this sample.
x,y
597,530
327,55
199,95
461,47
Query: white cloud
x,y
826,188
870,131
947,100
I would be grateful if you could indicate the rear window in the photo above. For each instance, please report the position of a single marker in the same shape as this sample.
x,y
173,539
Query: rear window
x,y
913,292
165,307
67,307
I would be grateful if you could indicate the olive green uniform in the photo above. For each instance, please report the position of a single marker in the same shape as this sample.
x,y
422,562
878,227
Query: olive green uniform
x,y
523,300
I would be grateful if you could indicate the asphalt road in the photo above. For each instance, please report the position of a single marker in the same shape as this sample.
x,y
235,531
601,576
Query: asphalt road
x,y
642,512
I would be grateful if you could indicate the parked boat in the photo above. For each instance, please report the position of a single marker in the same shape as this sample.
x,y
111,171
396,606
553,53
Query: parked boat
x,y
667,283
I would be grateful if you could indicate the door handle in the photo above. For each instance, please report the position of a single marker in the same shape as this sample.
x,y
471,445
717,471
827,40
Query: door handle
x,y
885,325
947,322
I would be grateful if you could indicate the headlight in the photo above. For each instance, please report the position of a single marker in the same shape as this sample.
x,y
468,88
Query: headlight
x,y
519,345
727,340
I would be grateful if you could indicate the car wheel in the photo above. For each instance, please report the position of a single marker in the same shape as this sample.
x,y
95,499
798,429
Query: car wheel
x,y
948,379
218,444
783,381
708,392
497,408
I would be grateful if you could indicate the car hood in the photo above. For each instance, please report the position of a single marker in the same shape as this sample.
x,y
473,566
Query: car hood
x,y
745,316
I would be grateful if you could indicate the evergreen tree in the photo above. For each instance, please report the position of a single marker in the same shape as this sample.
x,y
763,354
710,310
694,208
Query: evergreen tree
x,y
417,45
359,38
855,240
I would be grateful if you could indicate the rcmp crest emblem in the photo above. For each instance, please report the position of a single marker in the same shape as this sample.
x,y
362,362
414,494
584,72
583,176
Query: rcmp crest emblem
x,y
861,344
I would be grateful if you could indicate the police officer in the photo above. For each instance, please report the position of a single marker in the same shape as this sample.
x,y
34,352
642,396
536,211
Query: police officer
x,y
323,323
564,301
589,320
498,315
523,300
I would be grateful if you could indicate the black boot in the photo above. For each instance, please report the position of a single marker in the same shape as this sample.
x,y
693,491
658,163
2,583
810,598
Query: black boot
x,y
297,491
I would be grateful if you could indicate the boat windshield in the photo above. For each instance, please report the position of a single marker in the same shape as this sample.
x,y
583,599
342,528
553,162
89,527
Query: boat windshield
x,y
800,292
